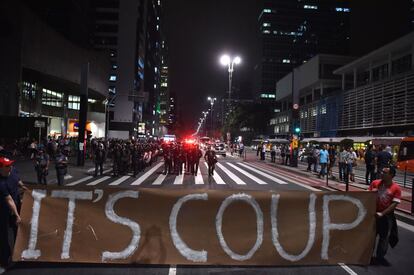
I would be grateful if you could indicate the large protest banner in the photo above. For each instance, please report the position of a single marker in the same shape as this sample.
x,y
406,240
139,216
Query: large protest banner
x,y
206,227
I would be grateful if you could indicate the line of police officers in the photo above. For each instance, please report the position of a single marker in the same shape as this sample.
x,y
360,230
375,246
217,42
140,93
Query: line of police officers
x,y
177,155
126,156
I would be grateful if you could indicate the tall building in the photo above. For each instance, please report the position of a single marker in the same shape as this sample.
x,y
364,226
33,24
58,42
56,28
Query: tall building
x,y
164,106
293,31
131,31
41,80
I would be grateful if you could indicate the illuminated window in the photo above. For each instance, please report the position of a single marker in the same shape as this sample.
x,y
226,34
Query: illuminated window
x,y
267,11
112,78
52,98
73,102
310,7
29,91
286,60
342,9
266,31
266,24
323,109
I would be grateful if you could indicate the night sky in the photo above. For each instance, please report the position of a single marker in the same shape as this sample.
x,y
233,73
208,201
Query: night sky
x,y
198,33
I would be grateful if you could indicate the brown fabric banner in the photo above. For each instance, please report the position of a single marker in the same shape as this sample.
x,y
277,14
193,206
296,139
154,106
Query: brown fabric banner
x,y
206,227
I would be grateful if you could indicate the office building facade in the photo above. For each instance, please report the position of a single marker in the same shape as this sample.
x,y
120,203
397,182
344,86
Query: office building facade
x,y
292,32
132,32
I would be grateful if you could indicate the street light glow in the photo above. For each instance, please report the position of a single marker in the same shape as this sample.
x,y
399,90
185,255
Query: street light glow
x,y
237,60
225,60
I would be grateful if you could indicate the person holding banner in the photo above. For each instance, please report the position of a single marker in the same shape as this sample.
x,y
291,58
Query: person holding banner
x,y
388,197
8,211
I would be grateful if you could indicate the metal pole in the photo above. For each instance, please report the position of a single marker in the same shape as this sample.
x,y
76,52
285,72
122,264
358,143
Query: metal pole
x,y
106,121
327,176
412,196
405,174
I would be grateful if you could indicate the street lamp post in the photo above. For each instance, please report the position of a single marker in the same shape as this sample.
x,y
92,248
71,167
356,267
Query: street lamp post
x,y
226,60
212,100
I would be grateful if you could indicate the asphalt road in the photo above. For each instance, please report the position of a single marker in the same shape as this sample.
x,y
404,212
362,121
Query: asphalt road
x,y
232,173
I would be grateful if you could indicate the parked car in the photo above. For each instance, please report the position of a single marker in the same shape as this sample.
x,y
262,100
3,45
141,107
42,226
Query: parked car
x,y
220,149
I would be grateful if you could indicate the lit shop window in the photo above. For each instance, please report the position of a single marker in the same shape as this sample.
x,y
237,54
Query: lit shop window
x,y
52,98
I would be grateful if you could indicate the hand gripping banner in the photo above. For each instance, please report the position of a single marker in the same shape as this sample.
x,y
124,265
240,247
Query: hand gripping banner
x,y
203,227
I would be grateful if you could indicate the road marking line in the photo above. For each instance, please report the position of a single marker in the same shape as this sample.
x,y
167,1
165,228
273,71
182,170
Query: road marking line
x,y
160,179
406,226
231,175
216,177
260,172
67,177
172,270
293,180
95,182
347,269
118,181
147,174
79,181
199,178
93,169
179,179
256,179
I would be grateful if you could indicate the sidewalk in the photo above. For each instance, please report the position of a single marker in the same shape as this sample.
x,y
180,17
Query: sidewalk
x,y
358,185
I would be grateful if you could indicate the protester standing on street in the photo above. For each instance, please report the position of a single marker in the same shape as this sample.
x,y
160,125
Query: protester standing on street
x,y
61,165
42,166
241,149
262,153
323,160
388,197
9,213
342,163
273,154
332,160
315,155
383,160
369,165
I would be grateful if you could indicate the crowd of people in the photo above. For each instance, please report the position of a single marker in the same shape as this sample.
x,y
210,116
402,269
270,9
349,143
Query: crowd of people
x,y
322,159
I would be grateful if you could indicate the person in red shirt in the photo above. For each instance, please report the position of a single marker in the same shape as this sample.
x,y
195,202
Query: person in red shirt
x,y
388,197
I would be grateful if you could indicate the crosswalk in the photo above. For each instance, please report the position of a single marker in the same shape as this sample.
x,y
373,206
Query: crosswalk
x,y
226,173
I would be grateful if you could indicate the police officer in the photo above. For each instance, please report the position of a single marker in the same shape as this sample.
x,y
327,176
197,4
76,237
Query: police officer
x,y
116,158
197,154
99,157
42,166
167,161
61,165
211,158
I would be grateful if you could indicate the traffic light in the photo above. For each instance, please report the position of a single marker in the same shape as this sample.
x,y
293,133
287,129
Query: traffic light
x,y
297,130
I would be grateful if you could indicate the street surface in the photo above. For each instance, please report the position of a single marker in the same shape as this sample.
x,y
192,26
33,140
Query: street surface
x,y
231,173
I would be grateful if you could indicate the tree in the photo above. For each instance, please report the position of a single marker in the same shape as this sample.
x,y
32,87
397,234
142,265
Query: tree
x,y
247,120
